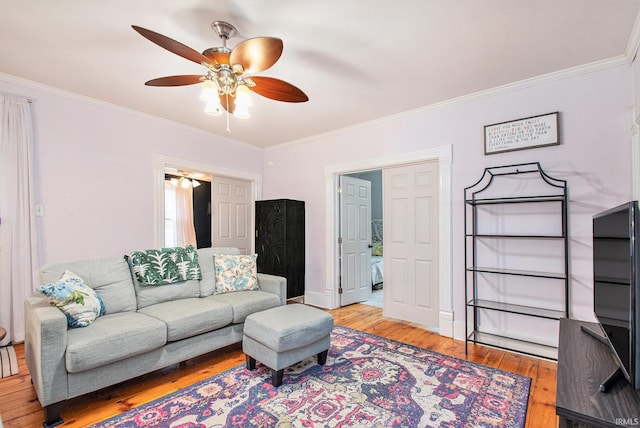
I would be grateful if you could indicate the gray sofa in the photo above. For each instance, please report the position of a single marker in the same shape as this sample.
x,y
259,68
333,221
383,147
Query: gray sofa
x,y
144,328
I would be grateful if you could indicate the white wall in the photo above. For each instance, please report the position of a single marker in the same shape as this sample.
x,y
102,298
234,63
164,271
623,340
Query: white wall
x,y
594,157
94,165
94,172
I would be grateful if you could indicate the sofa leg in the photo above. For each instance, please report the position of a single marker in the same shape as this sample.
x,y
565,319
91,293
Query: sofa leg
x,y
276,377
52,415
251,363
322,357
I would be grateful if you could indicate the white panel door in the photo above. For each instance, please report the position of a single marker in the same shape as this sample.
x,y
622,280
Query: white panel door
x,y
411,281
355,231
231,213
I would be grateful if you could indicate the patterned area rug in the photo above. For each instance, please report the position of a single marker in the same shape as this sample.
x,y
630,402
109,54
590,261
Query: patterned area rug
x,y
368,381
8,361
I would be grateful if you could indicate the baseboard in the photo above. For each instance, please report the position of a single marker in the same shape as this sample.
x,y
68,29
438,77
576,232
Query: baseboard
x,y
320,300
446,326
458,330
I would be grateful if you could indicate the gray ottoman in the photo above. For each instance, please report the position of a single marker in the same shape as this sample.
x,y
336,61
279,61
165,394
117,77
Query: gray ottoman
x,y
282,336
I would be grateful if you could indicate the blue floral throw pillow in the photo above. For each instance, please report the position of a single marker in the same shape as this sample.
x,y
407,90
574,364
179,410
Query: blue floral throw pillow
x,y
235,273
79,302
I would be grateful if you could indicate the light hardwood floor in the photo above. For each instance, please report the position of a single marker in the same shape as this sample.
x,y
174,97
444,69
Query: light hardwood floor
x,y
19,406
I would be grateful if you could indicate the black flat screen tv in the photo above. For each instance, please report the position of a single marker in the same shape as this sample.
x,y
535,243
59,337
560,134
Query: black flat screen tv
x,y
616,291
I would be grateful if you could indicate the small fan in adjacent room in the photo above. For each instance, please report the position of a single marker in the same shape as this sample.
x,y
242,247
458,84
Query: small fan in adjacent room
x,y
226,84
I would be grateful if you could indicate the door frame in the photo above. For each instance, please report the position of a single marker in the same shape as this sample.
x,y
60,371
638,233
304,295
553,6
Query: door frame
x,y
160,162
444,155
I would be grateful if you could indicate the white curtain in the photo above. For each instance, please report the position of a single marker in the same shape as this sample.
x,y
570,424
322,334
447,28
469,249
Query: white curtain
x,y
18,248
186,231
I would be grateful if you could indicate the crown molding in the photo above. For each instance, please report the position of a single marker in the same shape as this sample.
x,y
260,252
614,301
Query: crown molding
x,y
487,93
14,80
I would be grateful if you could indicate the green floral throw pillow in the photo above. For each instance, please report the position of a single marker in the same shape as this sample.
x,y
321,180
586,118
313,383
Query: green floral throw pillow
x,y
166,265
79,303
235,273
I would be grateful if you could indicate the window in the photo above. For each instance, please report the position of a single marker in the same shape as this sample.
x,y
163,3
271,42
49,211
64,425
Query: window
x,y
170,215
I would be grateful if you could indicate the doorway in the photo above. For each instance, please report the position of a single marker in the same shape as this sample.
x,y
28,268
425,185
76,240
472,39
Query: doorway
x,y
207,211
187,208
442,155
409,206
240,215
355,240
372,271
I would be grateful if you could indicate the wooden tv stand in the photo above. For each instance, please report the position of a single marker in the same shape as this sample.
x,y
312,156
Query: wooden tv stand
x,y
583,363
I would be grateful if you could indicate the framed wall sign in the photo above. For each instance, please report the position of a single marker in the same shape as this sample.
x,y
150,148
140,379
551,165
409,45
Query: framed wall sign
x,y
527,133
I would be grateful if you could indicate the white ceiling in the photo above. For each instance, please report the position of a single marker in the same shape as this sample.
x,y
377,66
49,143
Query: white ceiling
x,y
357,60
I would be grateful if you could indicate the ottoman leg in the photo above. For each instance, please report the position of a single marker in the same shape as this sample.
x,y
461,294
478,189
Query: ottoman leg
x,y
251,363
276,377
322,357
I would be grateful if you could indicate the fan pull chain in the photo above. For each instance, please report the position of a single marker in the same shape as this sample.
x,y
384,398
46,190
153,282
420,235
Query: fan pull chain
x,y
228,129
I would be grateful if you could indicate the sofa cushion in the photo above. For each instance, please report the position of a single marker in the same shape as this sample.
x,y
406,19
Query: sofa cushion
x,y
165,266
77,301
235,273
205,257
190,317
109,277
245,303
113,338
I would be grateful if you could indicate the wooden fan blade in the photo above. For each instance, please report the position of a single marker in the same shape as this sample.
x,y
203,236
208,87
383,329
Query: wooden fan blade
x,y
187,79
172,45
278,90
228,103
257,54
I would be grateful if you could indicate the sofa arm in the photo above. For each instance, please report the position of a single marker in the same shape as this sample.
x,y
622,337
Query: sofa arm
x,y
274,284
45,344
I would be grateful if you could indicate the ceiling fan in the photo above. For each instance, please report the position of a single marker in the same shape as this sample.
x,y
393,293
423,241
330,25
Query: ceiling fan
x,y
226,84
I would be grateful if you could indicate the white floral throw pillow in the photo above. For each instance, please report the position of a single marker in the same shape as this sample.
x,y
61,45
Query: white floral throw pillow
x,y
235,273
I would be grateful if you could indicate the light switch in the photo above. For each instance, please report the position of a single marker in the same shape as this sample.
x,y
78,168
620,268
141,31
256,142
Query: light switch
x,y
39,210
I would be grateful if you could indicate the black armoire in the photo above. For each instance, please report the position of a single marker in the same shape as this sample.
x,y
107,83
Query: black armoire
x,y
280,242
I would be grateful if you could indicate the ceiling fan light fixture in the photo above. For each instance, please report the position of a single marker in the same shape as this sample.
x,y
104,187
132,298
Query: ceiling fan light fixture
x,y
243,102
209,90
213,107
210,95
224,82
